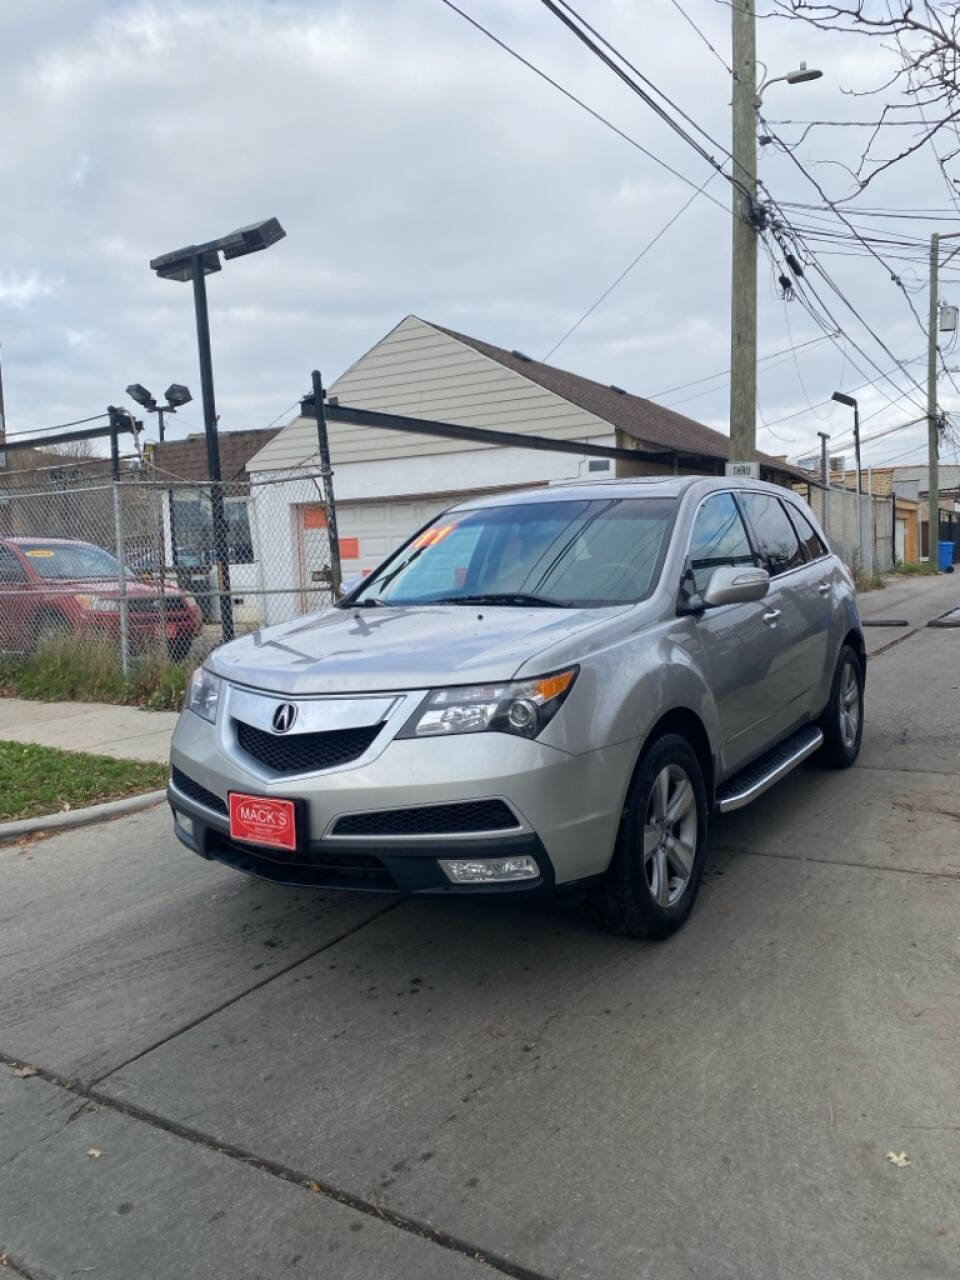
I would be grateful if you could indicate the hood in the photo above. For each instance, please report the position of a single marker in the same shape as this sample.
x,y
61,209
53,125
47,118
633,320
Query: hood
x,y
108,588
359,650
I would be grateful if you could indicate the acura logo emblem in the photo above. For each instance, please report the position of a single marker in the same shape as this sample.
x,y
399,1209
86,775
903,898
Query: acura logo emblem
x,y
284,717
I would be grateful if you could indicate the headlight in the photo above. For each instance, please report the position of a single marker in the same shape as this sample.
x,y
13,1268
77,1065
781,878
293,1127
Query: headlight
x,y
98,604
203,694
524,707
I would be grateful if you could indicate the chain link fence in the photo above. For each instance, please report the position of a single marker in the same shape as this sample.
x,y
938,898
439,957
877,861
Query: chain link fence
x,y
148,562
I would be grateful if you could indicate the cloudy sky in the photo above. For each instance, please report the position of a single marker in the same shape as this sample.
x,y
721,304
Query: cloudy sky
x,y
417,168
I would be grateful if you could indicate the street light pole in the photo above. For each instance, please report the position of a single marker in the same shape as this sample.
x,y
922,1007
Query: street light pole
x,y
841,397
220,540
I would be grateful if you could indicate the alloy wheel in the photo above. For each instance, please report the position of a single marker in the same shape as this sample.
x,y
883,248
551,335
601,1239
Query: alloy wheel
x,y
670,835
849,706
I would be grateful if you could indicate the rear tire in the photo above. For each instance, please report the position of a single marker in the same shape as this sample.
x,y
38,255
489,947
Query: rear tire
x,y
842,721
654,876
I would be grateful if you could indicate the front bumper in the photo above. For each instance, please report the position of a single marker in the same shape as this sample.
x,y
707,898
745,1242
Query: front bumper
x,y
567,808
368,866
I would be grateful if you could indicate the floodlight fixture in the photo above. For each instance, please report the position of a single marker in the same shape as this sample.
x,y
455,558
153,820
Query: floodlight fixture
x,y
177,395
137,391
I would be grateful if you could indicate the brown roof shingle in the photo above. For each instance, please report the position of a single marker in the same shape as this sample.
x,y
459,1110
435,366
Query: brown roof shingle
x,y
187,459
642,420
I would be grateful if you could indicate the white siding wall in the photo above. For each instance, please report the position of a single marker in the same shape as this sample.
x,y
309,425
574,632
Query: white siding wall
x,y
418,371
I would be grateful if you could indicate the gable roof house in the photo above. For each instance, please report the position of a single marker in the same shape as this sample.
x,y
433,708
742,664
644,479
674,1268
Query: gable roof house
x,y
388,482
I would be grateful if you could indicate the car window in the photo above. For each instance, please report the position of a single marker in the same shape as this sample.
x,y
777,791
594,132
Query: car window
x,y
70,560
11,570
811,540
587,552
778,542
718,537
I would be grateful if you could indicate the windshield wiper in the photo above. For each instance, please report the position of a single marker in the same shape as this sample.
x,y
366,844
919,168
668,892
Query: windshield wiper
x,y
503,597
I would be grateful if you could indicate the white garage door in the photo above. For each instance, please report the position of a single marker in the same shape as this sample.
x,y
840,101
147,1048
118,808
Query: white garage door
x,y
369,531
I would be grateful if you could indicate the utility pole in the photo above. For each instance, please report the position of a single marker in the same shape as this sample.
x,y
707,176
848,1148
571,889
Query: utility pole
x,y
747,219
743,299
933,443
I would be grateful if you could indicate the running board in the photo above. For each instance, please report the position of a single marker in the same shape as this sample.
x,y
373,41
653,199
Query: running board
x,y
758,777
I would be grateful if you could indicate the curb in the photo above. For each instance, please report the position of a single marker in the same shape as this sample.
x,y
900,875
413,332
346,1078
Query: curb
x,y
80,817
949,619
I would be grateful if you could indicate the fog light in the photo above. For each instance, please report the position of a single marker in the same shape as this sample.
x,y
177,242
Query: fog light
x,y
489,870
184,823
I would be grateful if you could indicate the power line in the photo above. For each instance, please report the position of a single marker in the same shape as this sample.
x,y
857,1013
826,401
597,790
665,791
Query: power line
x,y
282,415
638,89
579,102
803,284
723,62
784,359
626,271
722,373
871,382
853,230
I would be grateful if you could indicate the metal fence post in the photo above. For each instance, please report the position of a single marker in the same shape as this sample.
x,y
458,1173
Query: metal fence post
x,y
323,443
121,579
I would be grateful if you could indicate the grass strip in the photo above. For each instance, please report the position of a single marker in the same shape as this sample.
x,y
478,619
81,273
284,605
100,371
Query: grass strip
x,y
36,781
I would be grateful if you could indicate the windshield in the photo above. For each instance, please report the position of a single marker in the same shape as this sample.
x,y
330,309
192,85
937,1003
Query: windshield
x,y
70,560
576,552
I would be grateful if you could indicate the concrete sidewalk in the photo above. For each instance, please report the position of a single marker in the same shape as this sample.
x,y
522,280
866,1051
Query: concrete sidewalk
x,y
127,733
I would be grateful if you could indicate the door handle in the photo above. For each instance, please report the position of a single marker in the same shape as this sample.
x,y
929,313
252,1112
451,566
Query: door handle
x,y
771,616
824,588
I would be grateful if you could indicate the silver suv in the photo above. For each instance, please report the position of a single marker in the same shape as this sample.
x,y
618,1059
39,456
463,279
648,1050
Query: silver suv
x,y
539,690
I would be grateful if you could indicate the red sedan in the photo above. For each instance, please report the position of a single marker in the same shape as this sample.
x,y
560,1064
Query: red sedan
x,y
51,586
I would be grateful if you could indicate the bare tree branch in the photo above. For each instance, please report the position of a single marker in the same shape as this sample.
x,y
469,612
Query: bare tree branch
x,y
925,37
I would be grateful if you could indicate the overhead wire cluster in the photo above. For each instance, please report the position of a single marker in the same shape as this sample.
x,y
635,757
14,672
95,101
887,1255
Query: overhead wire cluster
x,y
795,236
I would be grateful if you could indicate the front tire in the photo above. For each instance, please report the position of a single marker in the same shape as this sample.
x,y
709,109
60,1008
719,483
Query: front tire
x,y
842,721
654,876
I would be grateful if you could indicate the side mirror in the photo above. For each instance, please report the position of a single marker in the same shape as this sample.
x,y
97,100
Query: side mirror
x,y
349,585
736,584
690,601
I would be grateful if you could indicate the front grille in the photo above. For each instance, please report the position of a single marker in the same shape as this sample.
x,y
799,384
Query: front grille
x,y
156,604
194,791
430,820
305,752
317,870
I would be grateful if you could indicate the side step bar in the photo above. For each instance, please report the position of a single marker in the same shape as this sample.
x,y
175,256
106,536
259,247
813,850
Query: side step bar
x,y
758,777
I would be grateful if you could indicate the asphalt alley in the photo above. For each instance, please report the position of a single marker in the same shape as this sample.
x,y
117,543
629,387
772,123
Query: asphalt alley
x,y
238,1081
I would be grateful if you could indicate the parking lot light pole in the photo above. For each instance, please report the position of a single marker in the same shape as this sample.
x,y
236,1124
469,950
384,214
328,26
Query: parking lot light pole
x,y
176,396
195,263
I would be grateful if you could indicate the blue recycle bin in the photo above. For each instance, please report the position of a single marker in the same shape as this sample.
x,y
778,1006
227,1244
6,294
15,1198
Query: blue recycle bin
x,y
946,555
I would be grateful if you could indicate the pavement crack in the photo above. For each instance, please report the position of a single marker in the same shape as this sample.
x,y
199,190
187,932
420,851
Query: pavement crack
x,y
242,995
285,1173
10,1268
742,850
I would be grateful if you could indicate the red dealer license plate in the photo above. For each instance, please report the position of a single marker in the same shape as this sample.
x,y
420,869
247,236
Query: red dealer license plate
x,y
263,820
